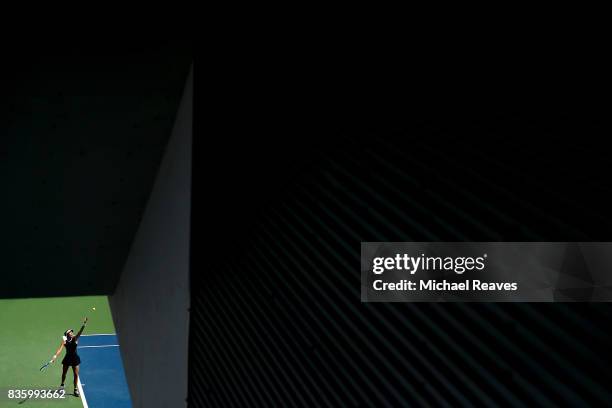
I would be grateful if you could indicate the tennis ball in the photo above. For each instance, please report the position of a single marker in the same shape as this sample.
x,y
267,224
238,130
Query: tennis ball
x,y
93,308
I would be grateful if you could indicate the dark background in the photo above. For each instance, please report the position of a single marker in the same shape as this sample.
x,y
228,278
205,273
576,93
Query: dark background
x,y
83,127
311,153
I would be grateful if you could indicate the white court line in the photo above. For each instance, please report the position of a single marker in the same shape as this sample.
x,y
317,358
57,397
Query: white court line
x,y
81,392
108,345
87,335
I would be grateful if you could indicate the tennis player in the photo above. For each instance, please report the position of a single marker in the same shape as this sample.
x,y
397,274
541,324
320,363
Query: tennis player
x,y
71,359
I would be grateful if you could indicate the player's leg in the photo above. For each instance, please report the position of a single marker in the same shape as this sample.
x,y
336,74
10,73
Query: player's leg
x,y
64,371
75,370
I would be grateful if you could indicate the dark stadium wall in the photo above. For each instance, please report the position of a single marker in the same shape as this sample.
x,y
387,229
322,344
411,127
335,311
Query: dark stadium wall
x,y
276,317
82,138
150,305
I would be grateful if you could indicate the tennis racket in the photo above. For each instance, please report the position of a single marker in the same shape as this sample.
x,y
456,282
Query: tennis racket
x,y
45,366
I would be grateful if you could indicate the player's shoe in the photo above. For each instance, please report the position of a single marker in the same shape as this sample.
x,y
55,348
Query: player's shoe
x,y
76,393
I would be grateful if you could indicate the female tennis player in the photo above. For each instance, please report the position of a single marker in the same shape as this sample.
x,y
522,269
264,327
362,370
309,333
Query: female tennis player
x,y
71,359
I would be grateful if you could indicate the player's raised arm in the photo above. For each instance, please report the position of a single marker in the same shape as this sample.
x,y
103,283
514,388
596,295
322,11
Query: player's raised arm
x,y
81,330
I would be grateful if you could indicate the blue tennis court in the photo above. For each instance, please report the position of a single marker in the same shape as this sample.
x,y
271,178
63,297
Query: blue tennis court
x,y
102,377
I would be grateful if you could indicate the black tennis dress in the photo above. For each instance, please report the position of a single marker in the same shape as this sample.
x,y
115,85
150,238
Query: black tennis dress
x,y
71,358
